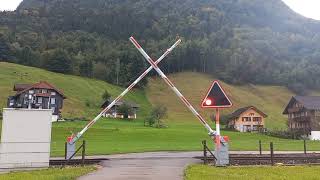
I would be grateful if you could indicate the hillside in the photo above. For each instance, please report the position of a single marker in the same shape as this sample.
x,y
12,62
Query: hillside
x,y
183,132
270,99
263,42
83,94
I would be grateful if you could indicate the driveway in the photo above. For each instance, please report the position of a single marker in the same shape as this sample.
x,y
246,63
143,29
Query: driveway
x,y
144,166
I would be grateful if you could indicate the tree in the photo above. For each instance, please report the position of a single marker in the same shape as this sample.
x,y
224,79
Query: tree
x,y
106,95
59,61
86,68
158,113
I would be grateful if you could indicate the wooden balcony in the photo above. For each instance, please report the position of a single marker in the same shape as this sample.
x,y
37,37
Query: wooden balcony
x,y
301,119
295,109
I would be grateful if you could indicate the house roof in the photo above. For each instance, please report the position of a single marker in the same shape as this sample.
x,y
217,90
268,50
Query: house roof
x,y
238,112
119,103
308,102
20,87
40,85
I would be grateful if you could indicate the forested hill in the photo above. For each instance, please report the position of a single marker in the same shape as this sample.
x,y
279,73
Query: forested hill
x,y
239,41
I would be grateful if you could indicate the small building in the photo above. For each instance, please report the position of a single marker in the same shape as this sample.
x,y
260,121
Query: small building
x,y
247,119
114,113
41,95
304,116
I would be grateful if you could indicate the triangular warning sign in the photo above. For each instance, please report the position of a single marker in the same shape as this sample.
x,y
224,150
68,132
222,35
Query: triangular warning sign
x,y
216,97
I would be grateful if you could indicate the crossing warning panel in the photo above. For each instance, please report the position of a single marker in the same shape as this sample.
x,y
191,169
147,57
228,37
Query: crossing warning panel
x,y
216,97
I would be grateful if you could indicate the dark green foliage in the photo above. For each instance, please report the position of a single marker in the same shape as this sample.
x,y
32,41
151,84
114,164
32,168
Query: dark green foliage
x,y
239,41
59,61
125,109
156,116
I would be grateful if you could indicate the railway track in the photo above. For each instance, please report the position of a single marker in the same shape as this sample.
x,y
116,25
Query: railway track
x,y
61,162
266,159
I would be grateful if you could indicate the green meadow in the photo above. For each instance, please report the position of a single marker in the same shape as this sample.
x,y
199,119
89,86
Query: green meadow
x,y
201,172
184,132
68,173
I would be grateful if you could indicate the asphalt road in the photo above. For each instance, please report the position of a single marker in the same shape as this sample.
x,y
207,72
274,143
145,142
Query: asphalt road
x,y
152,165
144,166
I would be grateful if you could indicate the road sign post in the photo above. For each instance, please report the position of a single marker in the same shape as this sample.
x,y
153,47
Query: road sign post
x,y
216,98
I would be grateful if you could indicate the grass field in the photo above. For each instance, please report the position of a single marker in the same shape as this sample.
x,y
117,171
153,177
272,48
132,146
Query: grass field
x,y
83,94
68,173
118,136
184,132
200,172
270,99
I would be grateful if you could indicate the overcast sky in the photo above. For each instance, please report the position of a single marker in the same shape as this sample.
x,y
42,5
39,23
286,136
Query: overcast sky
x,y
9,4
308,8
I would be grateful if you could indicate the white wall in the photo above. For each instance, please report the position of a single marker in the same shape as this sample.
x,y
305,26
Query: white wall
x,y
25,138
315,135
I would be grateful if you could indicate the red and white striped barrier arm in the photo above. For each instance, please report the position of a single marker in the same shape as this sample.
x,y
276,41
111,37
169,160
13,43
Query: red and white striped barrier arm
x,y
212,133
75,138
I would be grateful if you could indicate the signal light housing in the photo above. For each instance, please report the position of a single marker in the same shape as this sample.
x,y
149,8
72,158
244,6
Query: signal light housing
x,y
216,97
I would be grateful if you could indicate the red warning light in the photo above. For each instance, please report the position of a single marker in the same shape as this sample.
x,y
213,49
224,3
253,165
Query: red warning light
x,y
208,102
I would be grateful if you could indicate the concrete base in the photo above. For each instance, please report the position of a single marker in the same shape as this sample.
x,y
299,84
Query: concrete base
x,y
25,138
71,149
315,135
222,153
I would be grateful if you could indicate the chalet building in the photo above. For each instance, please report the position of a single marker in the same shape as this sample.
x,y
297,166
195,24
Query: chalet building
x,y
41,95
247,119
304,116
113,112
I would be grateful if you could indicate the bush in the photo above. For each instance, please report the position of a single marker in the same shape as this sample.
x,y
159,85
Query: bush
x,y
156,116
286,134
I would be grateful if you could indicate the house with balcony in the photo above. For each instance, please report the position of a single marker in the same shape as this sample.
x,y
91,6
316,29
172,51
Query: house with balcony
x,y
40,95
304,116
247,119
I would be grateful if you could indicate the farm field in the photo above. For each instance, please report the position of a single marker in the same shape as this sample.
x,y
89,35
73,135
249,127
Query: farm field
x,y
200,172
68,173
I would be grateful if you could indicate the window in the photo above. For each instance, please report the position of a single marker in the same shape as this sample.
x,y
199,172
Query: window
x,y
251,114
31,91
257,119
44,91
39,99
53,93
246,119
53,100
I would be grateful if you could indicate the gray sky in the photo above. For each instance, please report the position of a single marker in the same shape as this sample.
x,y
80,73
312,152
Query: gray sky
x,y
9,4
308,8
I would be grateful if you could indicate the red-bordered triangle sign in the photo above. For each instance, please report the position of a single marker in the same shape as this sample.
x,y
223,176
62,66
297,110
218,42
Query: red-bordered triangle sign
x,y
216,97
